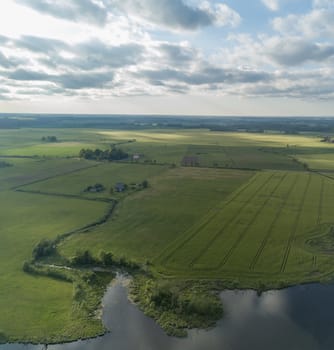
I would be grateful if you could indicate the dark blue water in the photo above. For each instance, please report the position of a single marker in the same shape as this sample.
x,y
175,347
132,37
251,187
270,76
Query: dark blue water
x,y
298,318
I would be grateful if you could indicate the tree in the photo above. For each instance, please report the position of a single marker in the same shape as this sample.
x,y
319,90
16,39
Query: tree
x,y
106,258
83,258
98,154
145,184
43,248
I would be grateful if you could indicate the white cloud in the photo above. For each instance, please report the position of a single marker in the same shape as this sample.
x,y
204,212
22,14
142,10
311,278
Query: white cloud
x,y
316,24
148,48
222,14
272,5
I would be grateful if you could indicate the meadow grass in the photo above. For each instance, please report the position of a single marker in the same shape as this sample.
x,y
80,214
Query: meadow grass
x,y
107,174
39,308
157,215
25,171
242,227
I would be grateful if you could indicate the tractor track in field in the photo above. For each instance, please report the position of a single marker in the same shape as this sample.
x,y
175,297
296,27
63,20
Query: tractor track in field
x,y
271,227
64,195
321,201
55,176
220,232
216,210
294,229
243,233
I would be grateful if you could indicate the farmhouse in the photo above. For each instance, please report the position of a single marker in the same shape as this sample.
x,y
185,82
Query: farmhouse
x,y
120,187
190,161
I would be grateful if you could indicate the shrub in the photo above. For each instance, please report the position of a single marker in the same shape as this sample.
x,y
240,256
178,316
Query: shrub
x,y
43,248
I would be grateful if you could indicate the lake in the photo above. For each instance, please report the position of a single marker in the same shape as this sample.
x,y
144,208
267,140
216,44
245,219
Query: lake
x,y
296,318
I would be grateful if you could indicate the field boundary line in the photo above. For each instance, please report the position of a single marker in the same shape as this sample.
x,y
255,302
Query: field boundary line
x,y
55,176
228,223
271,227
243,233
188,235
64,195
321,201
295,225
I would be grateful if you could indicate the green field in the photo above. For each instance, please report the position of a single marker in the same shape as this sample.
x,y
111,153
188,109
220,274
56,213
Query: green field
x,y
255,210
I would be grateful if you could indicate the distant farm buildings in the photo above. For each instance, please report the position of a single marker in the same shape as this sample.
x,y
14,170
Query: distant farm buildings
x,y
120,187
190,161
327,139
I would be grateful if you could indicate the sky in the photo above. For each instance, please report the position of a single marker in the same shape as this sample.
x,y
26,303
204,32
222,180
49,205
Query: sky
x,y
183,57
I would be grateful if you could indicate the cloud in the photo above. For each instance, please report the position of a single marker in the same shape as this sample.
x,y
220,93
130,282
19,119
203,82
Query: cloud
x,y
298,85
73,10
173,14
318,23
272,5
73,81
95,54
205,76
292,52
177,15
40,45
177,55
88,55
5,62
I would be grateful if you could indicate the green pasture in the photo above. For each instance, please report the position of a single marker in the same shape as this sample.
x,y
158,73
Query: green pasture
x,y
249,212
147,221
24,171
259,231
107,174
38,308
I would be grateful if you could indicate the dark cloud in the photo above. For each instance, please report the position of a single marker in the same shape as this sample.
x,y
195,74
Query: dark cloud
x,y
176,54
316,90
95,54
5,62
41,45
174,14
26,75
208,75
88,55
74,81
74,10
84,80
177,14
294,52
171,13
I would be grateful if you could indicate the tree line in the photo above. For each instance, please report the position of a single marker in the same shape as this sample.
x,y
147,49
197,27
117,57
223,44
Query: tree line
x,y
98,154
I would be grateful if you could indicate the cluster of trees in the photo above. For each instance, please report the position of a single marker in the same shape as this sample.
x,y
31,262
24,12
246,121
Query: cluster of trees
x,y
98,154
49,139
167,299
105,259
4,164
95,188
43,248
327,139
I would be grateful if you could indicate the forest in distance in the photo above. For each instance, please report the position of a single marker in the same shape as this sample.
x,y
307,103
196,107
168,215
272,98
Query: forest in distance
x,y
187,206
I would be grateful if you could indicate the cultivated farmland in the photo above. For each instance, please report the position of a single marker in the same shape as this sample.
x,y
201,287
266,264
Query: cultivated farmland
x,y
254,210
